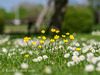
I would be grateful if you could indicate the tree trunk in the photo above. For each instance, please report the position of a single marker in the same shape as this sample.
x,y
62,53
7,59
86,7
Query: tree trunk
x,y
58,15
40,18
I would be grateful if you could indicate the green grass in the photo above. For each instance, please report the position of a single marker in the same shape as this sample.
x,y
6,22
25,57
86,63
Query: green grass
x,y
60,63
96,27
7,65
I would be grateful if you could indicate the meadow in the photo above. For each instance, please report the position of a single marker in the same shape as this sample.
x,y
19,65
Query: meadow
x,y
66,54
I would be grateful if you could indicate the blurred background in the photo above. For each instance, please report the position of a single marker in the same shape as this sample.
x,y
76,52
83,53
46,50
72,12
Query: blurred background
x,y
31,16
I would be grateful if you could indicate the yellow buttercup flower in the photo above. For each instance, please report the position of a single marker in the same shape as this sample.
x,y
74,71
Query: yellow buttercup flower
x,y
44,38
40,46
34,43
26,39
57,31
63,36
41,41
43,31
52,40
39,37
26,55
53,30
56,37
71,37
29,38
78,49
67,33
65,40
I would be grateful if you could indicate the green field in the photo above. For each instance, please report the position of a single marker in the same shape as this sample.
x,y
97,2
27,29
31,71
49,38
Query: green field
x,y
14,52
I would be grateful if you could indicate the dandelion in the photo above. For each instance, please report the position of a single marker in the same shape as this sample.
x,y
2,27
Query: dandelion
x,y
42,41
78,49
24,66
44,38
71,37
56,37
57,31
65,40
53,30
52,40
89,68
26,39
26,55
40,46
63,36
34,43
67,33
39,37
43,31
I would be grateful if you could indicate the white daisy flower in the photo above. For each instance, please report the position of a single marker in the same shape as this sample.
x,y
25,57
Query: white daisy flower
x,y
24,66
37,52
74,58
66,55
93,51
82,57
93,60
45,57
4,50
39,58
89,68
18,73
70,63
22,52
75,62
30,52
77,44
90,55
84,51
98,64
69,47
75,53
48,70
35,60
98,69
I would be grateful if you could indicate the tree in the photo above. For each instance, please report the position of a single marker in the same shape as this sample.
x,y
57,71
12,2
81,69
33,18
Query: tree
x,y
58,14
94,5
41,16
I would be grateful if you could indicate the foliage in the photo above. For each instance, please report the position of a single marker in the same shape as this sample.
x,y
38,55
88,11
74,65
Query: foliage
x,y
78,20
2,12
